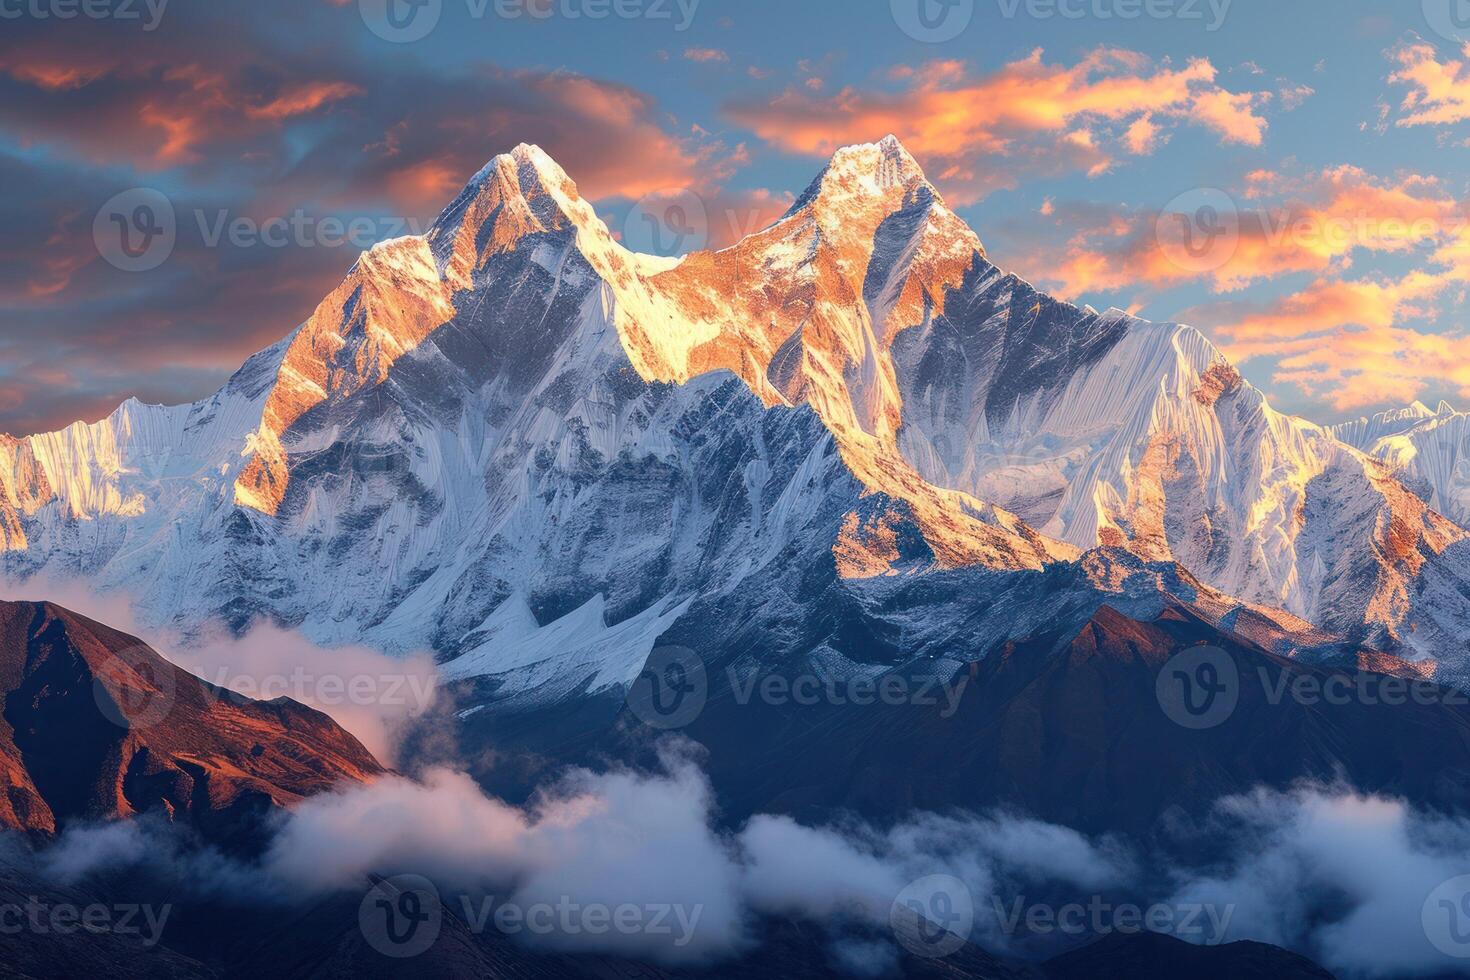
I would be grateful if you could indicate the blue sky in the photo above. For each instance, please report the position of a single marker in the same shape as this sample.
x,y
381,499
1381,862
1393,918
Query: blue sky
x,y
1329,137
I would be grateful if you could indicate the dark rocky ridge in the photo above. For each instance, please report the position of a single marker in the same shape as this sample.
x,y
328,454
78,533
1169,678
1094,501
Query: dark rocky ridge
x,y
96,726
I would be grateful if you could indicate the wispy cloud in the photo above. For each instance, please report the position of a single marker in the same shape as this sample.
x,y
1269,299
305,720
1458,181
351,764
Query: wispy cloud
x,y
1347,338
1438,88
706,55
1054,116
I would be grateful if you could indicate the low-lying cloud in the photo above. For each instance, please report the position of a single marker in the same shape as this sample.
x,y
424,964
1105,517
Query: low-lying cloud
x,y
1345,878
611,839
1340,877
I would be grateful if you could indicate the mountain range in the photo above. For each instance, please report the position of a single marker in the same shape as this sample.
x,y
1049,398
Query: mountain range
x,y
514,442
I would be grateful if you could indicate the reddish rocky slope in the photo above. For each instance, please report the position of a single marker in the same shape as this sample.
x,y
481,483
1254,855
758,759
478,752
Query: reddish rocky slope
x,y
96,725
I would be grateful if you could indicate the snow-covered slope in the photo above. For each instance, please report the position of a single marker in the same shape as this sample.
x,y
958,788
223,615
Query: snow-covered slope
x,y
515,442
498,417
1103,429
1428,449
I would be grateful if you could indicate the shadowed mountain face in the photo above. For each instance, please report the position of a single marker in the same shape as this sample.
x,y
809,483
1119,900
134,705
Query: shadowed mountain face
x,y
1080,724
1128,957
1070,726
95,725
328,940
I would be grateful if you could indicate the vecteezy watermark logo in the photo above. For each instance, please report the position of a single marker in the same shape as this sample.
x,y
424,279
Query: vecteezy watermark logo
x,y
404,21
90,9
668,223
401,916
1196,922
671,691
1199,687
401,21
301,230
1446,917
136,230
861,690
135,688
1105,10
933,21
1199,230
652,10
64,919
1310,689
934,916
568,917
674,688
389,689
1450,19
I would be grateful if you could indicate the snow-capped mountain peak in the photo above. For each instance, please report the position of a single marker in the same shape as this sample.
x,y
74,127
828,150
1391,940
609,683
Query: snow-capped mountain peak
x,y
883,170
1429,450
1363,432
517,194
516,409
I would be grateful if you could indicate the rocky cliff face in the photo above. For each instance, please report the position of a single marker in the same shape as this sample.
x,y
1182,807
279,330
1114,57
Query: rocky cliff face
x,y
95,726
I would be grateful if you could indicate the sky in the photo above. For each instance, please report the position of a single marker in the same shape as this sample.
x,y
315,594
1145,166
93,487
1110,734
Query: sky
x,y
182,181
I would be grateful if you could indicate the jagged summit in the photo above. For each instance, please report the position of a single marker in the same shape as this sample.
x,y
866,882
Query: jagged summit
x,y
1415,411
524,154
516,407
1367,431
527,171
876,167
867,183
540,195
520,193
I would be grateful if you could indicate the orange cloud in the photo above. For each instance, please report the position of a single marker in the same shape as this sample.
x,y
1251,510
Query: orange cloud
x,y
1232,115
1330,305
302,99
56,77
1067,116
705,55
1311,224
1141,136
1439,90
60,258
609,137
184,104
421,185
1346,342
1350,341
1365,368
